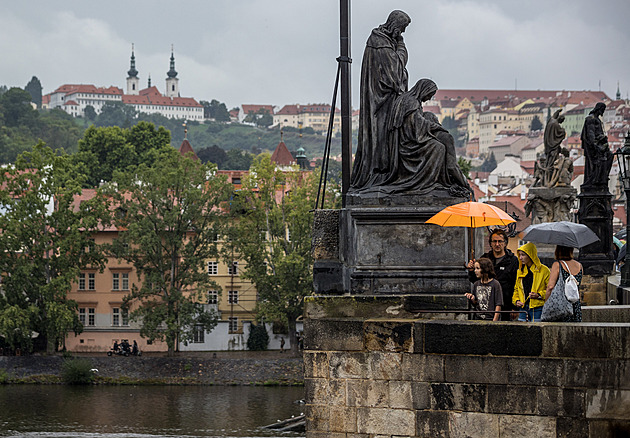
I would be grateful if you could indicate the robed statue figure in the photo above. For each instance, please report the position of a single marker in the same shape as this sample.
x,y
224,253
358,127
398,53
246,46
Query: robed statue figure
x,y
598,157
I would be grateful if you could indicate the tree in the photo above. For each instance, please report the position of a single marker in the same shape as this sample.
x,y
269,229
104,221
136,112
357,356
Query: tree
x,y
115,113
170,214
34,88
262,117
536,124
215,110
90,113
272,226
465,166
489,163
213,154
106,149
17,109
42,246
237,160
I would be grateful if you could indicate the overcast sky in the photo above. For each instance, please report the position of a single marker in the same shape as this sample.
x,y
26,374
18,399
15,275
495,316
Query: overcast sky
x,y
283,51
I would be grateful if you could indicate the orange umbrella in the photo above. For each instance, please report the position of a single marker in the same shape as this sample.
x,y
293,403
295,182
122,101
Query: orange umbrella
x,y
471,214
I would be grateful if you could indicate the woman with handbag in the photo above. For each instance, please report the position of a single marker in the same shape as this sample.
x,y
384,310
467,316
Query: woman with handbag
x,y
562,268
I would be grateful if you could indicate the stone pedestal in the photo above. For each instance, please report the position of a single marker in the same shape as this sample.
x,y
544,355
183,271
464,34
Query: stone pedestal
x,y
384,246
550,204
596,213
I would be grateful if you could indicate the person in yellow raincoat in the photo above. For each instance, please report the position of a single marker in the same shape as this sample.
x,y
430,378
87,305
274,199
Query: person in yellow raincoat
x,y
531,283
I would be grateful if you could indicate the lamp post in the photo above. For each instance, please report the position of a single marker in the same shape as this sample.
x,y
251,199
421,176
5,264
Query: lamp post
x,y
623,160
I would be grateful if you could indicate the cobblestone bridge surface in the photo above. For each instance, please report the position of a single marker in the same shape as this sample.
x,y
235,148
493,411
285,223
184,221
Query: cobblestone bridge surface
x,y
203,368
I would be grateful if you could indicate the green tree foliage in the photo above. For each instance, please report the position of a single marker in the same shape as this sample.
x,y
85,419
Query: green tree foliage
x,y
213,154
215,110
536,124
116,114
465,166
42,246
34,88
90,113
489,164
262,117
258,339
21,126
104,150
272,234
171,214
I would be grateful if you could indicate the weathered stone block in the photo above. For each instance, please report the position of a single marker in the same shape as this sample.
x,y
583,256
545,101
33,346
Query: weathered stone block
x,y
356,391
503,399
377,393
324,435
423,367
559,402
567,427
586,340
348,365
391,336
480,337
591,373
400,395
473,425
432,424
317,418
316,364
476,369
608,403
451,396
386,421
525,425
421,395
547,372
609,429
343,419
386,366
333,334
325,392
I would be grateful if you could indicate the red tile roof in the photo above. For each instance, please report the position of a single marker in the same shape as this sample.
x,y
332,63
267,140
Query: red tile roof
x,y
247,108
186,148
282,156
71,102
88,89
289,110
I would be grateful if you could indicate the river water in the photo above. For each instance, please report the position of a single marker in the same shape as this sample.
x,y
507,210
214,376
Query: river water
x,y
60,411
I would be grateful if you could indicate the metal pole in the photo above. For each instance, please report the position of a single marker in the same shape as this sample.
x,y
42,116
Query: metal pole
x,y
346,99
625,269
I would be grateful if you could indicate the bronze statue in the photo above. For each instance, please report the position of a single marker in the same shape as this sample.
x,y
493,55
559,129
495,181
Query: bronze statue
x,y
554,134
597,154
383,78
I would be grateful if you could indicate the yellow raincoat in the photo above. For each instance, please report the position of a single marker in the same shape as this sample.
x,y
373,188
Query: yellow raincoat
x,y
541,277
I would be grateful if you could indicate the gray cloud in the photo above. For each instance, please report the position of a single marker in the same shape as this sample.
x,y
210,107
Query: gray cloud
x,y
283,51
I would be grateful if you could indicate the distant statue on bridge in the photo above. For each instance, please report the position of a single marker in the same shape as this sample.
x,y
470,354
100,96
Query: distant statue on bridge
x,y
598,157
553,137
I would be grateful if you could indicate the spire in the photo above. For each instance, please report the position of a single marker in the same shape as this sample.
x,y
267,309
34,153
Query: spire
x,y
618,96
133,73
149,82
185,130
172,73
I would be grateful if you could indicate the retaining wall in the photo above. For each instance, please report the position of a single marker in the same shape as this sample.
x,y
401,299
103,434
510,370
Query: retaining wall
x,y
400,376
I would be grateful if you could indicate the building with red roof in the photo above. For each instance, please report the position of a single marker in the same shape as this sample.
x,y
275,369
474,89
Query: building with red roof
x,y
315,116
148,100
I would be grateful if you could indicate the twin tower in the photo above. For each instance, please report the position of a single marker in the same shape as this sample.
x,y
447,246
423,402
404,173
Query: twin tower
x,y
133,82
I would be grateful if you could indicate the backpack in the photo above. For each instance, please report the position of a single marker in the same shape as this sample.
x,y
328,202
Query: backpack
x,y
571,286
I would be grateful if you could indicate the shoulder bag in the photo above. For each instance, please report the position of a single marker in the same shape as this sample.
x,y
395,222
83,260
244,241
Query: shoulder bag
x,y
557,307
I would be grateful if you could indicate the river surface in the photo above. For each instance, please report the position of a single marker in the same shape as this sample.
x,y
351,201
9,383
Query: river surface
x,y
59,411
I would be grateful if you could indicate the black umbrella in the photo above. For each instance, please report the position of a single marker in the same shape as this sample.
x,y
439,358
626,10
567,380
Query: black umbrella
x,y
561,233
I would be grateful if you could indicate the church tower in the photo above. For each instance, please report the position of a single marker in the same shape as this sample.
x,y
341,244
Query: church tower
x,y
618,95
172,86
132,80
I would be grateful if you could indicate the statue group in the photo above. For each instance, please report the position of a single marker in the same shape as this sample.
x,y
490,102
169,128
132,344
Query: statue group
x,y
401,148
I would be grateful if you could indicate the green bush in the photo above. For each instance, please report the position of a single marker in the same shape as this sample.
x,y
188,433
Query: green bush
x,y
258,338
77,372
4,376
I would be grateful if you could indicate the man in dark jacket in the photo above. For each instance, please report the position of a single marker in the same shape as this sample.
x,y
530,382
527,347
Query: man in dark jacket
x,y
505,267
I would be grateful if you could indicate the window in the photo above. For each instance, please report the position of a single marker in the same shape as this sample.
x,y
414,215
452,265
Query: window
x,y
125,281
91,316
82,315
82,281
213,297
120,281
232,324
89,278
213,268
115,281
90,246
233,268
233,297
198,334
120,317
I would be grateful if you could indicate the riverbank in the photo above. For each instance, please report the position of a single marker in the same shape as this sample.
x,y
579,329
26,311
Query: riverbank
x,y
238,368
